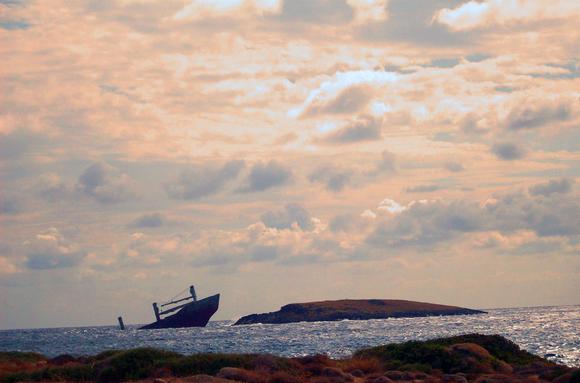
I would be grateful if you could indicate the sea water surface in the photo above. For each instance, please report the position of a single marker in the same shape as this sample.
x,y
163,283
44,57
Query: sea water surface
x,y
553,332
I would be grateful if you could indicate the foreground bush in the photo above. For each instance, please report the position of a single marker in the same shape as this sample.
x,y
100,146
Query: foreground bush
x,y
437,354
459,359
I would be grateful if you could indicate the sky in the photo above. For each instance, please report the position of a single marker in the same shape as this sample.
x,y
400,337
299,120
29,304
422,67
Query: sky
x,y
279,151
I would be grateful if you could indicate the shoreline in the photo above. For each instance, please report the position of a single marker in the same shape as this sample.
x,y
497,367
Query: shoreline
x,y
458,359
233,320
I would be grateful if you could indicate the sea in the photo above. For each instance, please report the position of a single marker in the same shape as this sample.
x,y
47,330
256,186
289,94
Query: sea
x,y
551,332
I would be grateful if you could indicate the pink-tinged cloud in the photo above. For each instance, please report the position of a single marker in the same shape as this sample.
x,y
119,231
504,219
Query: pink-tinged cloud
x,y
481,14
143,141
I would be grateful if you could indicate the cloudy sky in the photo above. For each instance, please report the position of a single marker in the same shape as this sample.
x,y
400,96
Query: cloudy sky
x,y
282,151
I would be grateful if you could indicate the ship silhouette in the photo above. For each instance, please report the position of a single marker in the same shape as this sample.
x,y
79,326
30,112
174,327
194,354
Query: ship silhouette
x,y
192,313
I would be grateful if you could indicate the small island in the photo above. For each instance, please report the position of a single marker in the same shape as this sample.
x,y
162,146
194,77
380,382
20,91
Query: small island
x,y
353,309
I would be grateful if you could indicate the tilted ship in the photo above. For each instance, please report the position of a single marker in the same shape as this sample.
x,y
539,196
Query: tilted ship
x,y
192,313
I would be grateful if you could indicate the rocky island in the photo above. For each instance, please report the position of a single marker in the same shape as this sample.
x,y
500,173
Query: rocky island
x,y
469,358
353,309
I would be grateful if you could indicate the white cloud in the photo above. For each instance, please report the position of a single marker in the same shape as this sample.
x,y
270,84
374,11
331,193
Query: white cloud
x,y
368,214
369,10
331,90
199,9
378,108
391,206
478,14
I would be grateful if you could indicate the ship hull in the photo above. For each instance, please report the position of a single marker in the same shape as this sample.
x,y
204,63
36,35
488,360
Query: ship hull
x,y
195,314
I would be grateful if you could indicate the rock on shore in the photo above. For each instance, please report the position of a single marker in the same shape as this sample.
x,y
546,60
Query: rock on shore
x,y
469,358
353,309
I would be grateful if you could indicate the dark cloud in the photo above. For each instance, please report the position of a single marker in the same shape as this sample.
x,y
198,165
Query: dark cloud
x,y
388,161
20,143
411,21
431,222
505,89
444,137
572,68
316,11
291,214
537,247
348,101
362,129
454,167
386,165
342,222
51,188
148,221
398,69
204,180
13,25
11,2
347,223
5,249
508,151
477,57
445,62
264,253
470,125
535,117
11,204
105,184
552,215
225,262
334,179
424,224
264,176
423,188
230,257
563,185
50,250
52,260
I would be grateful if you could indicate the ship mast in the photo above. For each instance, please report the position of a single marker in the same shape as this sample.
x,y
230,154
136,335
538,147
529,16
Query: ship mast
x,y
158,313
192,292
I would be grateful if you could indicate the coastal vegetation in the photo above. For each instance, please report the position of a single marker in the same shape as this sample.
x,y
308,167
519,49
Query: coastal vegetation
x,y
460,359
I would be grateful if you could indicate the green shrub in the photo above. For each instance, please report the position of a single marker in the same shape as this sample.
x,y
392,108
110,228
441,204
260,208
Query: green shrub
x,y
498,346
106,354
416,367
134,364
11,356
419,354
434,352
209,364
15,377
82,373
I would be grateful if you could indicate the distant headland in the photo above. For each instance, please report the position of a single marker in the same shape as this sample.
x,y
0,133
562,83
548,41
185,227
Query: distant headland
x,y
353,309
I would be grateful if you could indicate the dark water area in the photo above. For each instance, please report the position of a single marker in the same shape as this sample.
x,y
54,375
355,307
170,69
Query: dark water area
x,y
553,331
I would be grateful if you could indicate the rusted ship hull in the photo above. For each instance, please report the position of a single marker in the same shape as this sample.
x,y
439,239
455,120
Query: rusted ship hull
x,y
194,314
